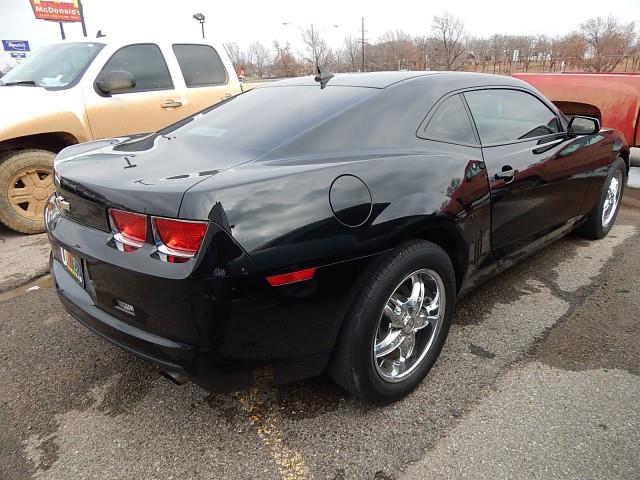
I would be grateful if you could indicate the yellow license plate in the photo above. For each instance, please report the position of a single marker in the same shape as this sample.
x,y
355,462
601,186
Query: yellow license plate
x,y
73,265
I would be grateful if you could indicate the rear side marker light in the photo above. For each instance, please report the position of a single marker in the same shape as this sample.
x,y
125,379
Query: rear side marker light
x,y
292,277
129,229
178,239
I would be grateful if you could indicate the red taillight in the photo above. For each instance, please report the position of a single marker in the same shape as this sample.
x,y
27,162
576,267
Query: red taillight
x,y
180,235
293,277
132,226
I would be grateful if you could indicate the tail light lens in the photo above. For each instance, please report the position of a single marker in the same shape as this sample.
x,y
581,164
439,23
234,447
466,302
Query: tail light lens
x,y
131,226
292,277
181,237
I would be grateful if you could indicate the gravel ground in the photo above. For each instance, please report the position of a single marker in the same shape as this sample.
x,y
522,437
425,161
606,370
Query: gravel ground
x,y
539,377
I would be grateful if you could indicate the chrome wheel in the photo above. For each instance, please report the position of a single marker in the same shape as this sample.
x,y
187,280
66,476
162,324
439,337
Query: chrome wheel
x,y
611,199
409,324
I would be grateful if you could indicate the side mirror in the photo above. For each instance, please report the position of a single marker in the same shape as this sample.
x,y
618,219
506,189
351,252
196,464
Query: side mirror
x,y
109,82
583,126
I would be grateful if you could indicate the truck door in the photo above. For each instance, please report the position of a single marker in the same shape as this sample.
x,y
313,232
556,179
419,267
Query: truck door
x,y
150,105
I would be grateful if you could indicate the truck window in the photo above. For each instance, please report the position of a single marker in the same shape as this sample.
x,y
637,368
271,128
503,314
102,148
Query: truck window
x,y
145,62
200,65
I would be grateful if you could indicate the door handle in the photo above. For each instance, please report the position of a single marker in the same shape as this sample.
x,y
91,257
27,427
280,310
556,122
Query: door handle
x,y
507,174
171,104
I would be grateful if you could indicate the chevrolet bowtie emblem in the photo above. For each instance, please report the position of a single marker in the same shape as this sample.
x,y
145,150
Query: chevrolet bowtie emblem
x,y
62,203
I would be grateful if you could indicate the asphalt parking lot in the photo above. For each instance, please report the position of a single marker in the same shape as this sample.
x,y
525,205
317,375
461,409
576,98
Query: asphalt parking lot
x,y
539,378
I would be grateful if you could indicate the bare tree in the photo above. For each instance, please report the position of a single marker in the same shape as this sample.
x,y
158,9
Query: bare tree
x,y
318,51
572,49
352,51
285,63
479,52
601,44
235,54
449,36
259,58
395,50
607,42
497,49
528,53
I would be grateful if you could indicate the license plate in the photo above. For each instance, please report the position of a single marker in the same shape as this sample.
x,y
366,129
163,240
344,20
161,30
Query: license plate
x,y
73,265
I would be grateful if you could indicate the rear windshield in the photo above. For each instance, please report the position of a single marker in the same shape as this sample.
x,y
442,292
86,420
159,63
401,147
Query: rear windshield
x,y
264,118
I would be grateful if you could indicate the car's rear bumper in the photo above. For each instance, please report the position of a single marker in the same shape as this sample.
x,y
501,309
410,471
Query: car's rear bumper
x,y
165,353
214,325
207,368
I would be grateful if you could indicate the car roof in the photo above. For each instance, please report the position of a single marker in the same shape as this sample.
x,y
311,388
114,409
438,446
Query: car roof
x,y
383,80
370,80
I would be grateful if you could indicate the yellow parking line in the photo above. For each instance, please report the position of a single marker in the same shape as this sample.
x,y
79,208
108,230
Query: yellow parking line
x,y
289,462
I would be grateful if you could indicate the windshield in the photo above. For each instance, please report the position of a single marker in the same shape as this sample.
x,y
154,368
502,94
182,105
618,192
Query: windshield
x,y
53,66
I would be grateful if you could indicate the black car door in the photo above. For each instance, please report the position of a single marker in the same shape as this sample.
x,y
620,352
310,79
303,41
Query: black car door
x,y
520,135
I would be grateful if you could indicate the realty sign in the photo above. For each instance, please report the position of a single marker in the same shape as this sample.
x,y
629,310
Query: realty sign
x,y
18,55
15,45
56,10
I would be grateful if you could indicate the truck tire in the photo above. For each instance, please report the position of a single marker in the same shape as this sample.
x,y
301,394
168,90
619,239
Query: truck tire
x,y
26,183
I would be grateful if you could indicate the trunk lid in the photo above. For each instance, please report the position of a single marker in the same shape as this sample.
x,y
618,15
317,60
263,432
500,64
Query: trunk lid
x,y
147,174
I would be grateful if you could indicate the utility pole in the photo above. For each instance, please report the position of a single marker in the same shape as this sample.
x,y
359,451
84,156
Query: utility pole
x,y
363,30
313,47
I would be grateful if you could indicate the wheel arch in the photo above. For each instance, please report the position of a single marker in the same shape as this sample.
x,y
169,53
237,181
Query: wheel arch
x,y
447,236
50,141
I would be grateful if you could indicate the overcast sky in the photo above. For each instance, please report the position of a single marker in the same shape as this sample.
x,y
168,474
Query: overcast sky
x,y
247,20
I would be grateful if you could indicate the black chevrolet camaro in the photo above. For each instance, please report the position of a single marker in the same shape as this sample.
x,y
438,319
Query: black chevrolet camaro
x,y
322,223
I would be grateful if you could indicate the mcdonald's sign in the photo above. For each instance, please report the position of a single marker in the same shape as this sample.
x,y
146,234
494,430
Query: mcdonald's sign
x,y
56,10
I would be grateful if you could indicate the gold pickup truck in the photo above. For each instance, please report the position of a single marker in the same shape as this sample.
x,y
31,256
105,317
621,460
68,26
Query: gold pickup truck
x,y
78,91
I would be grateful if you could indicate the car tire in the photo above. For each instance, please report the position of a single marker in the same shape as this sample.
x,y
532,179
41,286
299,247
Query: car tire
x,y
603,215
26,183
357,363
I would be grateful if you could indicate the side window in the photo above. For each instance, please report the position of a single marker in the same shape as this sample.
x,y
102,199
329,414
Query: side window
x,y
509,115
145,62
451,123
200,65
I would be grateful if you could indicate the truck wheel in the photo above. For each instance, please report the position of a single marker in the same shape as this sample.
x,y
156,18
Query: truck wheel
x,y
397,325
26,183
603,215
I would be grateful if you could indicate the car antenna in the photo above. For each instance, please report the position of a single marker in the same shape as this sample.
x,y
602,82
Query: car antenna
x,y
323,76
